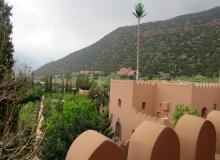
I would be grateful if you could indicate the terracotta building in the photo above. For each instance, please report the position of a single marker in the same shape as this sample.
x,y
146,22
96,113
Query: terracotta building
x,y
126,71
132,102
85,72
135,106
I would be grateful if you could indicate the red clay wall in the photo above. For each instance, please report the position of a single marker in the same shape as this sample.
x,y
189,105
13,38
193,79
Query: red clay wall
x,y
127,114
124,91
205,97
144,93
154,94
173,94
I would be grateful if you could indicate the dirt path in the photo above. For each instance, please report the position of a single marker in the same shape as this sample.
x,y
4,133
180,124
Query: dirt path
x,y
40,118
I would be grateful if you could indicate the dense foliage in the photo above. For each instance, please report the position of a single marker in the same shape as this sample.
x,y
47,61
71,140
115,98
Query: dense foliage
x,y
69,118
186,45
31,95
28,116
83,82
6,49
181,110
17,134
6,46
99,94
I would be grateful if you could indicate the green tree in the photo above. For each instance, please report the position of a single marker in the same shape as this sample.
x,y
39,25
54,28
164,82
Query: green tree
x,y
31,95
50,83
6,49
6,46
139,14
77,116
16,142
46,80
13,139
181,110
83,82
68,83
99,94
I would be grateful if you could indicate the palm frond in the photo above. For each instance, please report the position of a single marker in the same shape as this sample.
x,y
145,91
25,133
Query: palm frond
x,y
139,10
143,15
135,14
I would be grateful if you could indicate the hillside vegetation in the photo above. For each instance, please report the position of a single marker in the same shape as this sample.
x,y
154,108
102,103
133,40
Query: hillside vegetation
x,y
186,45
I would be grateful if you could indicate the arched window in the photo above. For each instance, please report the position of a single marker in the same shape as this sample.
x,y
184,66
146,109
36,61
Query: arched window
x,y
204,112
132,131
118,130
215,107
119,102
143,107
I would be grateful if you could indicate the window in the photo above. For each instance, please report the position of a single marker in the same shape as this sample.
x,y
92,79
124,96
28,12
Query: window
x,y
119,102
215,107
204,112
118,130
143,107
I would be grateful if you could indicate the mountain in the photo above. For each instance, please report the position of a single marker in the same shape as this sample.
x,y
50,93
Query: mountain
x,y
185,45
21,60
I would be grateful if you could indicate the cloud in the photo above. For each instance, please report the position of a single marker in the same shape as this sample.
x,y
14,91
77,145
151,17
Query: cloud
x,y
55,28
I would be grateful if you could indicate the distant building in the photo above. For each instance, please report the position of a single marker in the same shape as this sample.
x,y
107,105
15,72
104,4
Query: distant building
x,y
83,92
85,72
132,102
126,71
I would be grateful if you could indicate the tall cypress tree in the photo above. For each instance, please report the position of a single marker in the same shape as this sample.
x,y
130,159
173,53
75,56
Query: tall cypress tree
x,y
6,50
50,83
6,46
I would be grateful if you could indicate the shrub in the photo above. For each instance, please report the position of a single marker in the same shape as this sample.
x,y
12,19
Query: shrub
x,y
83,82
28,116
181,110
64,125
31,95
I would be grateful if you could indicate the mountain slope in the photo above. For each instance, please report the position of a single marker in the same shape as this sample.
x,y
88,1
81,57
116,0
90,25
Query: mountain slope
x,y
185,45
21,60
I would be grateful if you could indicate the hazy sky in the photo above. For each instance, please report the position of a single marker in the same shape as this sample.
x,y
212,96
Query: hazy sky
x,y
51,29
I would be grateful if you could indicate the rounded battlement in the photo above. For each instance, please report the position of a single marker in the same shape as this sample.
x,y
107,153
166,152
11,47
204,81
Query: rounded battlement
x,y
214,117
91,145
200,143
152,141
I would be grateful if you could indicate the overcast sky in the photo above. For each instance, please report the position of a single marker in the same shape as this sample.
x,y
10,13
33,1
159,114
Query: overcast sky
x,y
51,29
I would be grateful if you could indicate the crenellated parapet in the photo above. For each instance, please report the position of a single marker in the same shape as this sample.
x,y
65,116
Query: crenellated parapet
x,y
167,83
146,83
206,85
186,84
121,82
175,84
